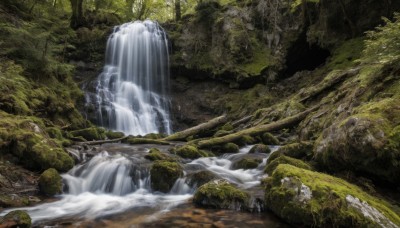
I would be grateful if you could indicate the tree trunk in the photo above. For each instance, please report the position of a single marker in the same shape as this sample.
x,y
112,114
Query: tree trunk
x,y
182,135
253,131
77,13
177,10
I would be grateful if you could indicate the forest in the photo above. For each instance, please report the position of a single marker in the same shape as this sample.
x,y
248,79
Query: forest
x,y
199,113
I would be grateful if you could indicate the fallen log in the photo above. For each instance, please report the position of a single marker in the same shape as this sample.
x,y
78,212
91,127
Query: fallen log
x,y
182,135
99,142
257,130
134,141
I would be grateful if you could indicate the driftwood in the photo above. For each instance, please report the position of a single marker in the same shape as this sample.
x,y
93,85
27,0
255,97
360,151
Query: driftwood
x,y
99,142
182,135
253,131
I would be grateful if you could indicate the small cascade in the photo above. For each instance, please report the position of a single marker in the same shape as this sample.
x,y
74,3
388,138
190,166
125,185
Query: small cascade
x,y
113,183
132,91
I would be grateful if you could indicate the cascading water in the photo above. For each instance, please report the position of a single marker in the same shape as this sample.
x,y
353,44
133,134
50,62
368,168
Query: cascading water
x,y
132,90
119,181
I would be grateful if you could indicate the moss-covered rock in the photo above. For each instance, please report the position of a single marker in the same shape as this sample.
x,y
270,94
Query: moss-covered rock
x,y
260,148
164,174
200,178
295,150
222,195
114,134
269,139
16,218
155,136
246,140
25,138
229,148
247,163
155,155
91,133
50,182
306,198
365,142
273,163
190,151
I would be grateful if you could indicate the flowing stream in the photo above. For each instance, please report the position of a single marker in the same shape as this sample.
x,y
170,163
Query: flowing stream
x,y
132,91
117,181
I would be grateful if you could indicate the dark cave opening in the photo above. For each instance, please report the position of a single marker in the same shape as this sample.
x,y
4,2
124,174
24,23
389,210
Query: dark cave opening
x,y
304,56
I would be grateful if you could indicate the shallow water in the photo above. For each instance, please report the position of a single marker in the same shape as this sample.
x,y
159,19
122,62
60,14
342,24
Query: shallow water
x,y
113,190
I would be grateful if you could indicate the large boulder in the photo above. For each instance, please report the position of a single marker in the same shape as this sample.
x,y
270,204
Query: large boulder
x,y
273,163
222,195
306,198
191,152
365,143
164,175
50,182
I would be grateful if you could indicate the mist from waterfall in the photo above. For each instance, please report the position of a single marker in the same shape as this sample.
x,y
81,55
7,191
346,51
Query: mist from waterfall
x,y
132,91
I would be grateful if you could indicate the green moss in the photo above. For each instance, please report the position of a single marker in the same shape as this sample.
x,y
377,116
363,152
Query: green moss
x,y
91,133
200,178
6,200
272,164
260,148
164,174
154,136
345,55
50,182
17,218
299,150
247,163
246,140
327,205
260,61
137,140
221,195
155,155
227,127
229,148
269,139
222,133
191,152
114,134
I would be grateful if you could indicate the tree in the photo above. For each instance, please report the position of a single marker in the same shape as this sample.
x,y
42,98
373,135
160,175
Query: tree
x,y
77,13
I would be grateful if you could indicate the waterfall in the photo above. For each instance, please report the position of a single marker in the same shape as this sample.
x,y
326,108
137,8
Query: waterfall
x,y
132,90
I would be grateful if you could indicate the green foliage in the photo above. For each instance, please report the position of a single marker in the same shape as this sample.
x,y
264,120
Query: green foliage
x,y
383,44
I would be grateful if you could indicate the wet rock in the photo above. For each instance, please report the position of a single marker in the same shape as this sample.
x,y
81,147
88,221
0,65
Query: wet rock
x,y
50,182
229,148
273,163
269,139
260,148
200,178
306,198
155,155
114,134
191,152
298,150
164,174
16,218
222,195
247,163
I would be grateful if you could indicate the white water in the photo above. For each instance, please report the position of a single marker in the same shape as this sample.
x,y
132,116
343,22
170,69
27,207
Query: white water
x,y
132,90
111,184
